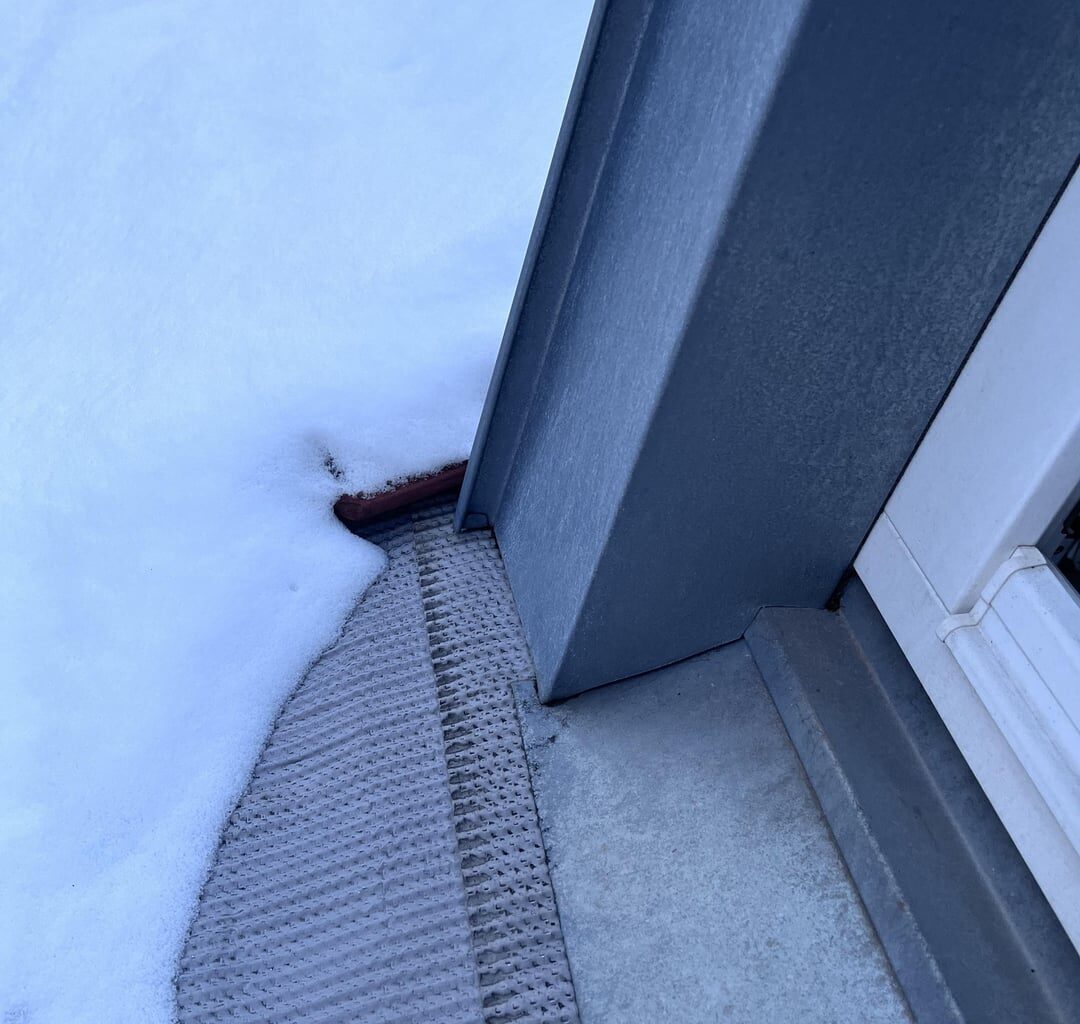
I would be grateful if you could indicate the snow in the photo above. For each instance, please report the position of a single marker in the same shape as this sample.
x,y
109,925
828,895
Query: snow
x,y
234,238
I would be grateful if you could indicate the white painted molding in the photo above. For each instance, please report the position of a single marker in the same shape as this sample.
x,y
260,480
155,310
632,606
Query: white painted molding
x,y
1021,558
1020,650
977,684
992,631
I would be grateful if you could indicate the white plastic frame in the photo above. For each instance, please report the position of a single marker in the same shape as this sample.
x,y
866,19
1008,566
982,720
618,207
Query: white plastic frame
x,y
991,630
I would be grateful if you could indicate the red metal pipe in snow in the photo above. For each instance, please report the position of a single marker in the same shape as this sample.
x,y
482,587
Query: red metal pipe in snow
x,y
360,509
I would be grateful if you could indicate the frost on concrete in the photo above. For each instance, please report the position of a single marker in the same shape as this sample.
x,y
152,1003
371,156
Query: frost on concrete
x,y
234,238
696,878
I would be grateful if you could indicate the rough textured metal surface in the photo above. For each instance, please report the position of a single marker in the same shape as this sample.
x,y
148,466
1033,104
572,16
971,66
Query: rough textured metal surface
x,y
385,863
778,228
478,652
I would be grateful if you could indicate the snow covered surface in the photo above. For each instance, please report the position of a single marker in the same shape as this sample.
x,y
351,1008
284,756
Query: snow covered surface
x,y
234,238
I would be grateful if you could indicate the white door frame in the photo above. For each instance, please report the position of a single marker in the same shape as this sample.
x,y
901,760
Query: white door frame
x,y
992,631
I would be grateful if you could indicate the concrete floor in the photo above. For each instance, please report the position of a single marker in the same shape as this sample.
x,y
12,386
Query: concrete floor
x,y
695,876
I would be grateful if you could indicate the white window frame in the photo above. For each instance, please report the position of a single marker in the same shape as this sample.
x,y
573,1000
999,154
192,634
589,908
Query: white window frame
x,y
992,631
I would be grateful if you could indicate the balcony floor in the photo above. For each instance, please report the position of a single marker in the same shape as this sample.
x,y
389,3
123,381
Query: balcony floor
x,y
695,875
388,861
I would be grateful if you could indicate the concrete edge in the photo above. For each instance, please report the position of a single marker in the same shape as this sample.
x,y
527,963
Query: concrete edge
x,y
962,921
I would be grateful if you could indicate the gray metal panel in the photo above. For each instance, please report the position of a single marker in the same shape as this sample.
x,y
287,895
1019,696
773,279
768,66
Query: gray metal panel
x,y
799,221
595,100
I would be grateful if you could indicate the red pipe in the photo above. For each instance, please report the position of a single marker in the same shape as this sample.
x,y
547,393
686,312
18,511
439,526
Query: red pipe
x,y
360,509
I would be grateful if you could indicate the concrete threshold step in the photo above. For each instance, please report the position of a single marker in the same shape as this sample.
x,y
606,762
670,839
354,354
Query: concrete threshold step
x,y
966,929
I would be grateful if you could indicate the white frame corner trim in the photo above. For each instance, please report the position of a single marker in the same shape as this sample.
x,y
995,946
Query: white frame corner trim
x,y
993,631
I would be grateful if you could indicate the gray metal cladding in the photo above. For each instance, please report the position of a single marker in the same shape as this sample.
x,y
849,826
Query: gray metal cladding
x,y
775,232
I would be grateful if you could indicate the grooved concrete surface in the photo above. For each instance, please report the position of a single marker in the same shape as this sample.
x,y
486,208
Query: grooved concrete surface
x,y
385,863
696,877
478,653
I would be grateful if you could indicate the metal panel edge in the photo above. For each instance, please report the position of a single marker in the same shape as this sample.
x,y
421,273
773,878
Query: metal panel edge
x,y
464,517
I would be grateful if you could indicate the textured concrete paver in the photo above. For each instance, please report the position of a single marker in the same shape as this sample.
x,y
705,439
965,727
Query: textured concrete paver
x,y
695,876
386,863
477,653
336,894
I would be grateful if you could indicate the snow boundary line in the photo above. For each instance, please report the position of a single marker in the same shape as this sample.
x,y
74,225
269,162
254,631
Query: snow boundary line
x,y
385,862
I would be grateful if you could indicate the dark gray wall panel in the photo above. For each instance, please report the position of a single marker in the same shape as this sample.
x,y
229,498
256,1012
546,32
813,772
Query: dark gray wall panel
x,y
671,165
798,226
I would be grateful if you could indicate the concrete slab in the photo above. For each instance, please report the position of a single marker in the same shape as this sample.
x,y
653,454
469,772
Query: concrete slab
x,y
966,928
695,876
385,863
